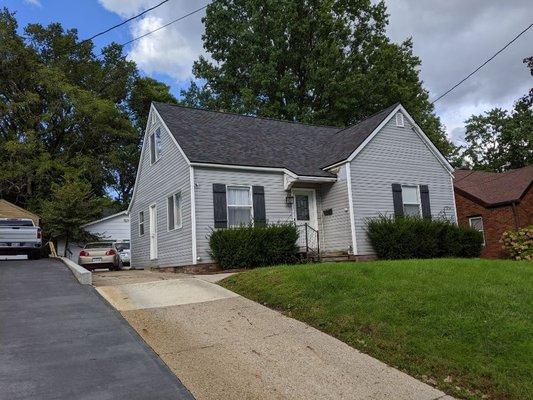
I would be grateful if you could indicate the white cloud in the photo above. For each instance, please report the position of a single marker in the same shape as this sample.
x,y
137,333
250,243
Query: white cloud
x,y
165,52
451,37
34,2
170,51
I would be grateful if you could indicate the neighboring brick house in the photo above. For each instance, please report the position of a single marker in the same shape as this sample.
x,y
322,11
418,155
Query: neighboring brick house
x,y
493,203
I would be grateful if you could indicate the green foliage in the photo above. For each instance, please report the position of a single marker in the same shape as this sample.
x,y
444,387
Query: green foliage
x,y
410,237
249,246
63,108
519,243
72,204
323,62
499,140
463,324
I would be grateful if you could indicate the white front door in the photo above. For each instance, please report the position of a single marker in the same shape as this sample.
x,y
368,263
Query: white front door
x,y
304,211
153,232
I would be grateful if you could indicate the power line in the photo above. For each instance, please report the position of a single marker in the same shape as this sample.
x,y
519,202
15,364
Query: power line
x,y
482,65
164,26
161,27
122,23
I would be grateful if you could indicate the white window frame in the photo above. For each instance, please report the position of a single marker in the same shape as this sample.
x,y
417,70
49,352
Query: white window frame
x,y
251,206
141,223
419,204
153,146
177,211
470,219
400,123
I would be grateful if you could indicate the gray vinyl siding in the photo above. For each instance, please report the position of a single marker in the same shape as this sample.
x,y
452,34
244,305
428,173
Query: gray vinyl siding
x,y
395,155
276,208
335,228
168,175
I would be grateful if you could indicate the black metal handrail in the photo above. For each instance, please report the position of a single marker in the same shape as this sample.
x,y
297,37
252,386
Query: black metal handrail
x,y
312,240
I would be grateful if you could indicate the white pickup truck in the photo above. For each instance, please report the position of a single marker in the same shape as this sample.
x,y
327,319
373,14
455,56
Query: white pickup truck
x,y
20,236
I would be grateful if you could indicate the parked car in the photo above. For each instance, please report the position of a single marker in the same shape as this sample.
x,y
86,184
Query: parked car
x,y
20,236
123,248
100,255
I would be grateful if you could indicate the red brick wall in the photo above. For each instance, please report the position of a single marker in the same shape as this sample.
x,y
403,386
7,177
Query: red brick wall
x,y
525,209
495,221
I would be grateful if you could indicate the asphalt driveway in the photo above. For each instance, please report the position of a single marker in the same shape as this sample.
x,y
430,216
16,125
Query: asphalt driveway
x,y
61,340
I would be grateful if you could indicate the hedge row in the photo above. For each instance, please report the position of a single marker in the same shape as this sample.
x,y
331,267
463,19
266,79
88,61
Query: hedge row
x,y
248,246
408,237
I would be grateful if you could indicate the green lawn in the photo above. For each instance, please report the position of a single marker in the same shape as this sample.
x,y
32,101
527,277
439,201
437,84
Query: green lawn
x,y
465,326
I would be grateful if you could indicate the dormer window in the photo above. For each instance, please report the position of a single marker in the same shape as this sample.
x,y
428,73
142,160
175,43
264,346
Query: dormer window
x,y
155,145
399,120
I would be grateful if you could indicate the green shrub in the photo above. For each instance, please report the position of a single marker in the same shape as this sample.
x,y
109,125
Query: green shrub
x,y
519,244
409,237
249,246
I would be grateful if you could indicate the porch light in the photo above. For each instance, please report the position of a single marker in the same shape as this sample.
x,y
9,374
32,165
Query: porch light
x,y
289,199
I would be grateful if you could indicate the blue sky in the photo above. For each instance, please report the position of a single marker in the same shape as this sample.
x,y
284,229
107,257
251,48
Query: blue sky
x,y
451,37
88,17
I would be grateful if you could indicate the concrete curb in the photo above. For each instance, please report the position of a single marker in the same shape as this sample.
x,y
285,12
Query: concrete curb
x,y
83,276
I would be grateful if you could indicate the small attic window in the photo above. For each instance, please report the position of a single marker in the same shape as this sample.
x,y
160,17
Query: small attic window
x,y
399,120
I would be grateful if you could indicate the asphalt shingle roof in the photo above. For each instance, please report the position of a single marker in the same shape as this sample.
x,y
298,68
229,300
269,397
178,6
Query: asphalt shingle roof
x,y
492,188
225,138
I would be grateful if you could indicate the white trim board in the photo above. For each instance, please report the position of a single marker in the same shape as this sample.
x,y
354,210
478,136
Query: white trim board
x,y
193,215
125,212
351,207
148,128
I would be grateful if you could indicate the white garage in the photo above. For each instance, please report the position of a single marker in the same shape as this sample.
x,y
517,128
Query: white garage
x,y
112,227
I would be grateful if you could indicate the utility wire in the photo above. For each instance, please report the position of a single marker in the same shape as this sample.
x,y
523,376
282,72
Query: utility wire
x,y
159,28
482,65
122,23
164,26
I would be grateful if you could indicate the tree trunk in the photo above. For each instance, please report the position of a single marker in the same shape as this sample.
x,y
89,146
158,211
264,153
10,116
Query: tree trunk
x,y
66,245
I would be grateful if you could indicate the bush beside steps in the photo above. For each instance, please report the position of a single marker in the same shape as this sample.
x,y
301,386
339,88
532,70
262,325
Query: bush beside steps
x,y
254,246
411,237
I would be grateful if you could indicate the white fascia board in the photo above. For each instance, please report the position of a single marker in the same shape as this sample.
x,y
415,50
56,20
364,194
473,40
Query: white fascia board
x,y
244,167
146,131
428,142
172,136
367,140
307,178
338,164
374,132
125,212
141,158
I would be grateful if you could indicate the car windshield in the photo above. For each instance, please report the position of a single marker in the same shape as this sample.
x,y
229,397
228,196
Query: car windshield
x,y
15,222
98,245
122,246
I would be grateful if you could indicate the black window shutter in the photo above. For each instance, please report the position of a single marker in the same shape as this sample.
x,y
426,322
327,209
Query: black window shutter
x,y
424,199
259,205
397,199
219,205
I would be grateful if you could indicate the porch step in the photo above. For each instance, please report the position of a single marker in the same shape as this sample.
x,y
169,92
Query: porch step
x,y
334,256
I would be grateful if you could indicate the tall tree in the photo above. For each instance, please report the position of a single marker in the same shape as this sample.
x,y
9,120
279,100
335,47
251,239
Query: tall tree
x,y
62,107
499,140
319,61
72,203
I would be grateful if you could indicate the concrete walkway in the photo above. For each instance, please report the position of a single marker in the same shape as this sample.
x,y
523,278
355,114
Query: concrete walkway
x,y
223,346
61,340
